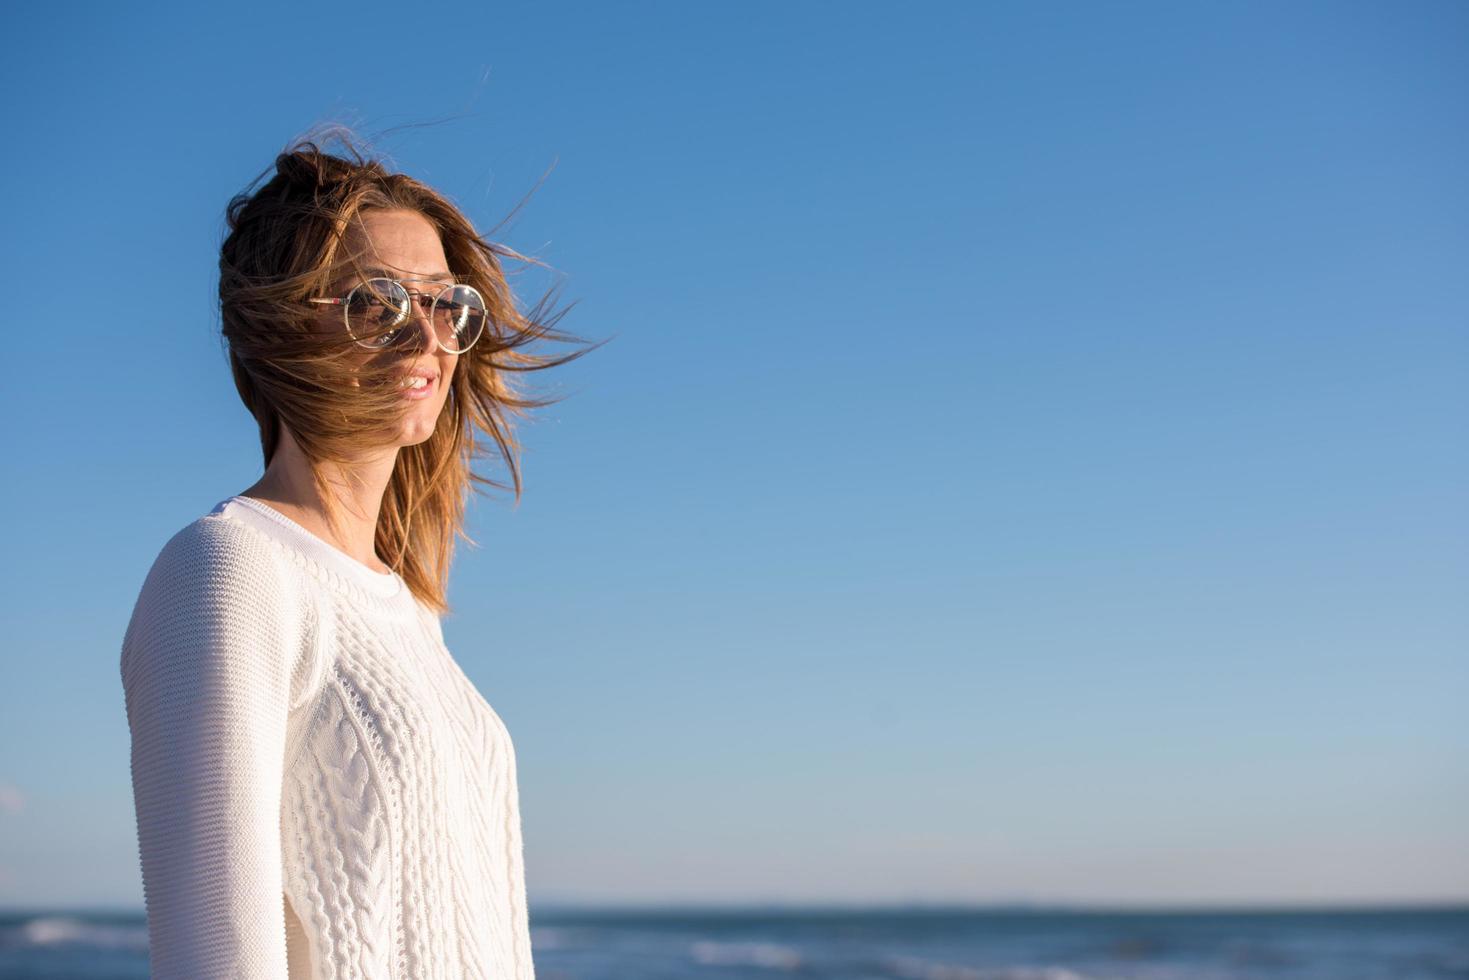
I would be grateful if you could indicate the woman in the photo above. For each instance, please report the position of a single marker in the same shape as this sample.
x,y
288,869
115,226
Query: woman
x,y
320,791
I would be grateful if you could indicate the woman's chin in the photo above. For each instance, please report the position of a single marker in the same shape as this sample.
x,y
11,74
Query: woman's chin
x,y
416,428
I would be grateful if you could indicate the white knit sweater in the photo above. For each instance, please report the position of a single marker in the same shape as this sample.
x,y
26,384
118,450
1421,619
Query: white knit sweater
x,y
321,793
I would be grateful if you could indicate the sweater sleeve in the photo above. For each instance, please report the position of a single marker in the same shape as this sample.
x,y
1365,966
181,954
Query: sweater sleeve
x,y
207,666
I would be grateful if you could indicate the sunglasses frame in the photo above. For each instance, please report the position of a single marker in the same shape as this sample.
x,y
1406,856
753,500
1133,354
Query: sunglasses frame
x,y
412,294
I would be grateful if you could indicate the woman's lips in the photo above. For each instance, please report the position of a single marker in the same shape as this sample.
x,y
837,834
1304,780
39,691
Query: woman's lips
x,y
418,394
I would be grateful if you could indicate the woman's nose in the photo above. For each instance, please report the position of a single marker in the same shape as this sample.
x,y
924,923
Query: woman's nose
x,y
421,311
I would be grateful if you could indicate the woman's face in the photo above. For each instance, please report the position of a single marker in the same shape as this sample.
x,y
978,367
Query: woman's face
x,y
404,245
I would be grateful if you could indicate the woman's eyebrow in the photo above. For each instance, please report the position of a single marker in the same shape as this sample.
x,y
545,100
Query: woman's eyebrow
x,y
391,274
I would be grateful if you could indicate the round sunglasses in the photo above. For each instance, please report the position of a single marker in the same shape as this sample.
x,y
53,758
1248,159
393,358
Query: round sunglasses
x,y
378,311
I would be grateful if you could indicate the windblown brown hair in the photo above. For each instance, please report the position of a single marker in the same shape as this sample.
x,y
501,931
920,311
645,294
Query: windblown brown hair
x,y
285,243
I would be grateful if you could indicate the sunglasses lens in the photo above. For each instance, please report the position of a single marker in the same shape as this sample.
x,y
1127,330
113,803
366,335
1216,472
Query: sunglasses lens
x,y
375,311
460,317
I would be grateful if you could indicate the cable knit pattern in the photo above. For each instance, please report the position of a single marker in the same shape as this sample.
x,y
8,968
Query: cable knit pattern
x,y
321,793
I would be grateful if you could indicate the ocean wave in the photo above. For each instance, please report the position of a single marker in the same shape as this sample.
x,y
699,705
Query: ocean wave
x,y
769,955
54,931
914,968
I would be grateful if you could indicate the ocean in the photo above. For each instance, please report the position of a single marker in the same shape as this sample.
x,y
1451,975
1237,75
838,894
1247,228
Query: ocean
x,y
911,944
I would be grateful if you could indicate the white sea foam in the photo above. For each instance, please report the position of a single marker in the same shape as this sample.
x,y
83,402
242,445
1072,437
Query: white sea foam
x,y
769,955
67,931
914,968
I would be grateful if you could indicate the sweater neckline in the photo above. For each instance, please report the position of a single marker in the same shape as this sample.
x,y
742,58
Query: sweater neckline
x,y
269,519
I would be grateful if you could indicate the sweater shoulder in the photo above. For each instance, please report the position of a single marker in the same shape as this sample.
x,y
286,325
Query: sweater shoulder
x,y
220,589
213,560
215,541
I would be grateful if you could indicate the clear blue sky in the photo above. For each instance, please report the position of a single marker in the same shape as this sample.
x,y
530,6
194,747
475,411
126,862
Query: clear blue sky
x,y
1030,463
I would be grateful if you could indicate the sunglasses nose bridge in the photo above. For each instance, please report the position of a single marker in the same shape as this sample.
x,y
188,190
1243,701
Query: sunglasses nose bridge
x,y
420,311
